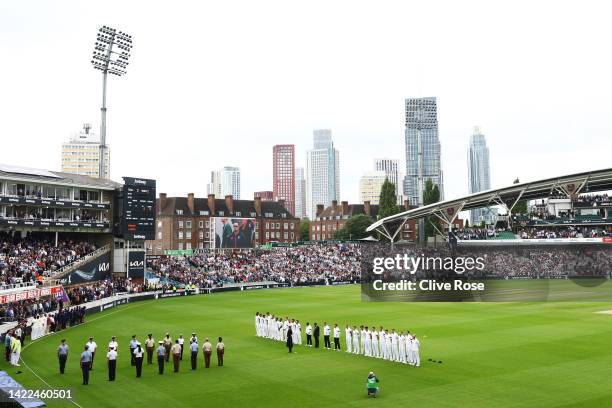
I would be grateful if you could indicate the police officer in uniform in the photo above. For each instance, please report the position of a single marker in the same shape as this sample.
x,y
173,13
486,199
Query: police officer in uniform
x,y
85,362
92,346
111,356
62,355
161,356
193,347
138,356
133,344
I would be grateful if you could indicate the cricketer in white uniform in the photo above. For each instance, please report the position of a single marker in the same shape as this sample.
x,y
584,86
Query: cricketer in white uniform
x,y
368,343
383,344
355,340
363,337
388,345
374,342
409,348
416,349
285,328
347,336
394,346
298,332
402,347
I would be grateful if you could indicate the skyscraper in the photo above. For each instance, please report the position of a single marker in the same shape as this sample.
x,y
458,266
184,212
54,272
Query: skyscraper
x,y
283,163
391,169
422,148
322,172
225,182
479,177
230,182
370,185
81,154
300,193
215,187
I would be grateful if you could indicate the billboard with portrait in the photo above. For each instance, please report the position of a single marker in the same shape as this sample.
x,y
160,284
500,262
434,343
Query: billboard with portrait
x,y
234,233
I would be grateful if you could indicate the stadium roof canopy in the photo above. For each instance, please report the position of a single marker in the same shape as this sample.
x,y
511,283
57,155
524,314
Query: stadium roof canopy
x,y
447,211
30,175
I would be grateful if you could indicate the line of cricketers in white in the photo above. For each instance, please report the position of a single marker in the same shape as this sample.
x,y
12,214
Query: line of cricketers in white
x,y
398,347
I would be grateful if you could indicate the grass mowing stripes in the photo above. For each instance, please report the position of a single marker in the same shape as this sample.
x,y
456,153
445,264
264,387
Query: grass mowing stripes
x,y
555,354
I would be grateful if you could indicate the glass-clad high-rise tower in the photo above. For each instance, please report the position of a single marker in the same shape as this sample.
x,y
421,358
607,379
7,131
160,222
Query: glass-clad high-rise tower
x,y
479,177
422,148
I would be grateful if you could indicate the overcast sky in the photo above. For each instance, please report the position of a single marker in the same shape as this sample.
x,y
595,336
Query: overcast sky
x,y
219,83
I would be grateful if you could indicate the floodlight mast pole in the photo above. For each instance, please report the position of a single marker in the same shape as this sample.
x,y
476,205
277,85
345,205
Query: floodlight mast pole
x,y
102,159
104,61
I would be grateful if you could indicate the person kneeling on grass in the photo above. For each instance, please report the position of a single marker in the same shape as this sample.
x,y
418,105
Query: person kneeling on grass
x,y
372,384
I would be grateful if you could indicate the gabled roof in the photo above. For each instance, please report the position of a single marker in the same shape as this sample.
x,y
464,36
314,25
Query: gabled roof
x,y
244,207
353,209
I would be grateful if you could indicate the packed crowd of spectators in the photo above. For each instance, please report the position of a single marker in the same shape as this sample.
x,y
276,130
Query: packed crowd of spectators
x,y
594,199
294,265
478,233
561,232
505,262
23,260
101,289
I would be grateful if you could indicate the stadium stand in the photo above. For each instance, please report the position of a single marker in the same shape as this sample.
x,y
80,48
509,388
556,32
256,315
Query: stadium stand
x,y
32,258
295,265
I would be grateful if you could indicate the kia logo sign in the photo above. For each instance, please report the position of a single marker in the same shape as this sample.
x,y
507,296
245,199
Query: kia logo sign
x,y
104,267
137,264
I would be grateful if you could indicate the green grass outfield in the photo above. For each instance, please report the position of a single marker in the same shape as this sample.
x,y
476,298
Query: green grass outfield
x,y
550,354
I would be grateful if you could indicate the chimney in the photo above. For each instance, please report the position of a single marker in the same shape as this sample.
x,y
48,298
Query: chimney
x,y
190,203
320,209
406,205
334,205
366,208
257,203
211,204
229,203
345,208
162,202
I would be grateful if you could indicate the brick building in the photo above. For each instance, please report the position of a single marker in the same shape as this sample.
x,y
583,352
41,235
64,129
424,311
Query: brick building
x,y
264,195
331,219
283,171
188,222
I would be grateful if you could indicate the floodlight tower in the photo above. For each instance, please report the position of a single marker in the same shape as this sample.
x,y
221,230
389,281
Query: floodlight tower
x,y
111,55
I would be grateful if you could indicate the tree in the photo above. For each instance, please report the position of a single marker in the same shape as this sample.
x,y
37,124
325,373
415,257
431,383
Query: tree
x,y
354,228
387,204
520,207
431,195
305,229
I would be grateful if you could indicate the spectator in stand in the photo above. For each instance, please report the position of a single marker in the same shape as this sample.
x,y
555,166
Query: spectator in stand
x,y
295,265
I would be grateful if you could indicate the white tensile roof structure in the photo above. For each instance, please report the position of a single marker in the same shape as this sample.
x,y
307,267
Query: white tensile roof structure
x,y
507,197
